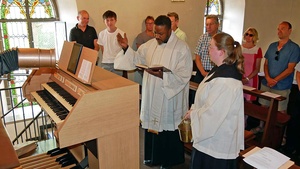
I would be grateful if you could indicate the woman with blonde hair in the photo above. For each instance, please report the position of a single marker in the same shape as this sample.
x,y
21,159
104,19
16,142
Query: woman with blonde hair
x,y
253,56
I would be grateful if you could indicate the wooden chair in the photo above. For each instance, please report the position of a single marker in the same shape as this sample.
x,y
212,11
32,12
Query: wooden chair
x,y
248,138
9,157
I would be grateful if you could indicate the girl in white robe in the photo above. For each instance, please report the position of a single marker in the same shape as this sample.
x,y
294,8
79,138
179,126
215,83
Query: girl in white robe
x,y
217,117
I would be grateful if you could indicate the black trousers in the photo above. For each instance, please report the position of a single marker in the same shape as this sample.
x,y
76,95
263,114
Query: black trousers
x,y
164,149
201,160
293,126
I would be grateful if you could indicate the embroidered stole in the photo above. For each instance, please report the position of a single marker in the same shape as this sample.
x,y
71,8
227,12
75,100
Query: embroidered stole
x,y
157,102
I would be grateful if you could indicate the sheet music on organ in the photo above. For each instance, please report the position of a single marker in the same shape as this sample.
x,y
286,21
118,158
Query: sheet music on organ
x,y
84,64
85,70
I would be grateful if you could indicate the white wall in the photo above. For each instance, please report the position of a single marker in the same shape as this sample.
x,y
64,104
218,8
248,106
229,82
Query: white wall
x,y
131,14
233,20
68,12
265,15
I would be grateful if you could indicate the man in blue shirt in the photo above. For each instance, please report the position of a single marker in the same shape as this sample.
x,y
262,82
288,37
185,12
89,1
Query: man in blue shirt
x,y
281,59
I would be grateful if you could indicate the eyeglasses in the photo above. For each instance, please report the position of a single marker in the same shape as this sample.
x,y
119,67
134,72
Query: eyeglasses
x,y
248,34
277,55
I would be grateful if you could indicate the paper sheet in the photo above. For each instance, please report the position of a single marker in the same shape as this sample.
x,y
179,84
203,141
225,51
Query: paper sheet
x,y
266,158
273,95
248,88
85,70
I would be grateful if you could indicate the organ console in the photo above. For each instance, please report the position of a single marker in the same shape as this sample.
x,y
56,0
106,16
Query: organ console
x,y
89,104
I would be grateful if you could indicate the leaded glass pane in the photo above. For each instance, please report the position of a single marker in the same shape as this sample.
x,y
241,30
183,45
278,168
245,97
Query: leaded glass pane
x,y
16,34
43,35
13,9
213,7
40,9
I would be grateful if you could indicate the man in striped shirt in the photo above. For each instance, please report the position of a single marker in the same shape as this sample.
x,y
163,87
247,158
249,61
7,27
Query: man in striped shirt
x,y
202,60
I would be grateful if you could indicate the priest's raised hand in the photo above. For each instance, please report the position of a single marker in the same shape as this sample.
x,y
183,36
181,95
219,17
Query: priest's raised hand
x,y
123,41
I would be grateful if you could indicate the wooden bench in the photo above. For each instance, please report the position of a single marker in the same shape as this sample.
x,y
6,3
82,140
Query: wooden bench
x,y
249,136
275,121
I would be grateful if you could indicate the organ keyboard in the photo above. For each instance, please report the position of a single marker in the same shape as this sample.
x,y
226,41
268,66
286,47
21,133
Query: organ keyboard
x,y
90,104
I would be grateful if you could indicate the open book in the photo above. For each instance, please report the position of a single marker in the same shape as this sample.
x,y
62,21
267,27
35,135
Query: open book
x,y
153,67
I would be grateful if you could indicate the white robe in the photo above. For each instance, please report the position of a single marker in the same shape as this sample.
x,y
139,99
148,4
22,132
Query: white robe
x,y
164,101
217,118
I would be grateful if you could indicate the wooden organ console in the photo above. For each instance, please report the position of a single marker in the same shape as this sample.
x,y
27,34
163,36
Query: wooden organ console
x,y
89,104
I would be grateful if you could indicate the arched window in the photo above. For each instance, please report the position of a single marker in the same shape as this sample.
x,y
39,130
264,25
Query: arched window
x,y
214,7
28,24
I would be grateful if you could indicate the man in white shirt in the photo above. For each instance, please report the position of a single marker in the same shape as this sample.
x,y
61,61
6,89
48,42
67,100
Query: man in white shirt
x,y
108,43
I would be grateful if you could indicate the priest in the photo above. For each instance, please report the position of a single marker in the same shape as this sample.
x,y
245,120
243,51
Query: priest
x,y
164,93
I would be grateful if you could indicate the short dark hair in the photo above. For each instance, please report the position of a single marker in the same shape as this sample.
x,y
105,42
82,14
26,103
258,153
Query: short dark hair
x,y
289,24
214,17
163,20
109,14
149,18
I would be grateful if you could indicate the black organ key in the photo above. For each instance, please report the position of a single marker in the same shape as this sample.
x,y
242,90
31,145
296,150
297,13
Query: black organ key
x,y
64,160
57,107
63,93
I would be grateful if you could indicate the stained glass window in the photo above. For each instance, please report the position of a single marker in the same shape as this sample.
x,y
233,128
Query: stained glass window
x,y
28,24
22,9
214,7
